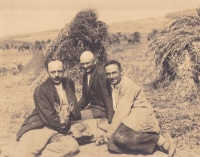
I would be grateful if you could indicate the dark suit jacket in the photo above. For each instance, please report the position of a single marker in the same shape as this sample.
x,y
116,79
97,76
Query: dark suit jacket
x,y
44,113
97,93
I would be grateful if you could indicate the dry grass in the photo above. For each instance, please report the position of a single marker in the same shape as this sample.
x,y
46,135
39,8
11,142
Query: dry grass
x,y
181,117
84,33
8,56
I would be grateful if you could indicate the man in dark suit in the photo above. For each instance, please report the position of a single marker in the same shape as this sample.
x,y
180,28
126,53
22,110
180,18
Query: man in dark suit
x,y
94,91
46,130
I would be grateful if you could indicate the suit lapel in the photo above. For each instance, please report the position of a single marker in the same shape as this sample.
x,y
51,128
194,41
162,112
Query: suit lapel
x,y
108,85
85,85
93,74
68,91
54,92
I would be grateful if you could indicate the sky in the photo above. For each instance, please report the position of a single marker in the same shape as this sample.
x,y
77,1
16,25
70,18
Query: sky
x,y
25,16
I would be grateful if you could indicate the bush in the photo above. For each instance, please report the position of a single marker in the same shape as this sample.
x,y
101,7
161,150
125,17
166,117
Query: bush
x,y
152,34
136,37
37,45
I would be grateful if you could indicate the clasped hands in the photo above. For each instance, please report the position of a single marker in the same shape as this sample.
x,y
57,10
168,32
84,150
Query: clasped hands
x,y
74,132
103,139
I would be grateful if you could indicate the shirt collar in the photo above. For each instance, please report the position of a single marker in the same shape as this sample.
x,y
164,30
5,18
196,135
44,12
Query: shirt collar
x,y
115,86
59,86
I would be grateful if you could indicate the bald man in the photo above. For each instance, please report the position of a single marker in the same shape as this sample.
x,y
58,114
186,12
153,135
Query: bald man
x,y
94,90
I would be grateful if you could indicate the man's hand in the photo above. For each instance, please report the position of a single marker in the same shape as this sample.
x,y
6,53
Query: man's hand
x,y
74,132
102,140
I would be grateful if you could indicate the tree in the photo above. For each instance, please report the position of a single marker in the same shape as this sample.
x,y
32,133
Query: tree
x,y
136,37
11,46
7,47
125,37
114,39
152,34
37,45
24,47
119,34
48,41
43,43
131,41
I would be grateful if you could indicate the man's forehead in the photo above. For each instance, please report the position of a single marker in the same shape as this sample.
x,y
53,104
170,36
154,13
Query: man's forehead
x,y
86,59
55,65
111,67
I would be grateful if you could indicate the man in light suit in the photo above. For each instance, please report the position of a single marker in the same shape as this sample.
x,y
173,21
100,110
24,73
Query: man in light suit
x,y
94,90
134,127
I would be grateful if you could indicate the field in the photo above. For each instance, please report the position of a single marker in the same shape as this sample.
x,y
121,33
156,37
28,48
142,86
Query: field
x,y
180,118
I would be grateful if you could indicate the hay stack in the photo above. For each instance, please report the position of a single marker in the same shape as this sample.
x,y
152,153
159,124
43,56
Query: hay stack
x,y
85,32
176,49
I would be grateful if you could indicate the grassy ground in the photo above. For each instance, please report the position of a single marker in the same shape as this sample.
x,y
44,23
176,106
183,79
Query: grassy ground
x,y
8,56
180,118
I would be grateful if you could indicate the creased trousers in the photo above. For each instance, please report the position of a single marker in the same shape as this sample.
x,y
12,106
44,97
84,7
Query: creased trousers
x,y
42,142
126,140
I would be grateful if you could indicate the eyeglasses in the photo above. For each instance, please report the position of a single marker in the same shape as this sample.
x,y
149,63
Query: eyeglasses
x,y
54,72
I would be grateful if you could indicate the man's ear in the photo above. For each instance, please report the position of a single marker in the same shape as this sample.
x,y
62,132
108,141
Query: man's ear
x,y
95,61
122,72
64,68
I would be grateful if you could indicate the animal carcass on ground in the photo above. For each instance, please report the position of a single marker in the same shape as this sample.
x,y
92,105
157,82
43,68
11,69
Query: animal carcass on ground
x,y
91,130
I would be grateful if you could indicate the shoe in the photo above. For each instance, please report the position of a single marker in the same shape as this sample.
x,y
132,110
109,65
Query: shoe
x,y
169,145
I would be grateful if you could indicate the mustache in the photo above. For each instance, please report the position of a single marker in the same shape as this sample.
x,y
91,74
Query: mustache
x,y
57,78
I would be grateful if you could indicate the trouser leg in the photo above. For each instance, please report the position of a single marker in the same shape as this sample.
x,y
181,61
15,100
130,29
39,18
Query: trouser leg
x,y
92,113
113,147
127,139
86,114
60,145
30,144
98,113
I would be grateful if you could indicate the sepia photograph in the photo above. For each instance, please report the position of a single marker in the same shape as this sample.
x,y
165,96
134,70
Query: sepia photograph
x,y
109,78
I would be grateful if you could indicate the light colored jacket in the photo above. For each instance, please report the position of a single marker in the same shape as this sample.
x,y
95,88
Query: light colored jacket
x,y
132,109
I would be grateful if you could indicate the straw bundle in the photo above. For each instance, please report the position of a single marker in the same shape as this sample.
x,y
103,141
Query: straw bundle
x,y
85,32
175,47
176,50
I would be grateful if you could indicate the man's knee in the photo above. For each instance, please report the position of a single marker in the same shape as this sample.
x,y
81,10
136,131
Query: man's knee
x,y
119,138
112,147
74,147
71,145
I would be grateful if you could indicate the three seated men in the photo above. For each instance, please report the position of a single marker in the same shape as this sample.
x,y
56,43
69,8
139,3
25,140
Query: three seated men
x,y
133,128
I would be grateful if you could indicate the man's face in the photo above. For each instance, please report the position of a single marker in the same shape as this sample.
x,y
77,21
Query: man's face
x,y
113,74
88,64
56,71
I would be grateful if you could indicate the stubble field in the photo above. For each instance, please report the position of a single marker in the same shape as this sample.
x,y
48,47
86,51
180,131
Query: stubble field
x,y
180,118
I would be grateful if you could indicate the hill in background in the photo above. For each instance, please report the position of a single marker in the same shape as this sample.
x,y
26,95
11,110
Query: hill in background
x,y
142,25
